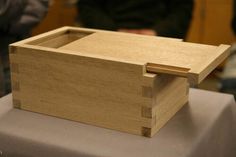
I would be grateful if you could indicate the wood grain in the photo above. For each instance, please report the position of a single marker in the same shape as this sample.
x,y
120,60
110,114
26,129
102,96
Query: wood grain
x,y
143,50
130,83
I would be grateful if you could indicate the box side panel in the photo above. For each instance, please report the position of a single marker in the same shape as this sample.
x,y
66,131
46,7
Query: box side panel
x,y
170,100
169,93
89,90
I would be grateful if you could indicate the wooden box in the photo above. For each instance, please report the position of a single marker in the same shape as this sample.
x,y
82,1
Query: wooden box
x,y
121,81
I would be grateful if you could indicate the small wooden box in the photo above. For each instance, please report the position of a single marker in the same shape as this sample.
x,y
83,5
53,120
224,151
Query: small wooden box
x,y
120,81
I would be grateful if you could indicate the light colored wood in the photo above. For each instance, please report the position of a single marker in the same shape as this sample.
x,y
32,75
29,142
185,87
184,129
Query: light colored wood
x,y
102,93
62,74
177,55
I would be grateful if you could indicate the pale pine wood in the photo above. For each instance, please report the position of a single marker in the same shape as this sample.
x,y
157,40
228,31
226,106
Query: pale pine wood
x,y
120,81
193,58
63,83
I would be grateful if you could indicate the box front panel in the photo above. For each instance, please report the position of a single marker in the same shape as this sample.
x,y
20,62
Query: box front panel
x,y
89,90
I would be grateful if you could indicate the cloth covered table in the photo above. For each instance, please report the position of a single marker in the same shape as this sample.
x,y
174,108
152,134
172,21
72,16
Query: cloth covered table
x,y
205,127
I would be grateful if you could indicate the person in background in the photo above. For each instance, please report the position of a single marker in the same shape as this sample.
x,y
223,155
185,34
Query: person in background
x,y
228,80
169,18
17,18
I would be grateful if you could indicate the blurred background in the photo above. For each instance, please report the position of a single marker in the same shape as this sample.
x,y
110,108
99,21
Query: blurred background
x,y
210,24
211,21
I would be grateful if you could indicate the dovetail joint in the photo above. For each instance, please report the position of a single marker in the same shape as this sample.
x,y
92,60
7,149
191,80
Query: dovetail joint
x,y
146,112
14,68
12,49
15,86
146,132
17,103
147,91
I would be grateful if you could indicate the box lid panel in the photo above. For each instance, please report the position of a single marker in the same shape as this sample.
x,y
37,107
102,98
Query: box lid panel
x,y
195,61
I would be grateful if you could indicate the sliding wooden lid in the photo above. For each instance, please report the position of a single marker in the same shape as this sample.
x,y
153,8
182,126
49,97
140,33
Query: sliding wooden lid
x,y
160,55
